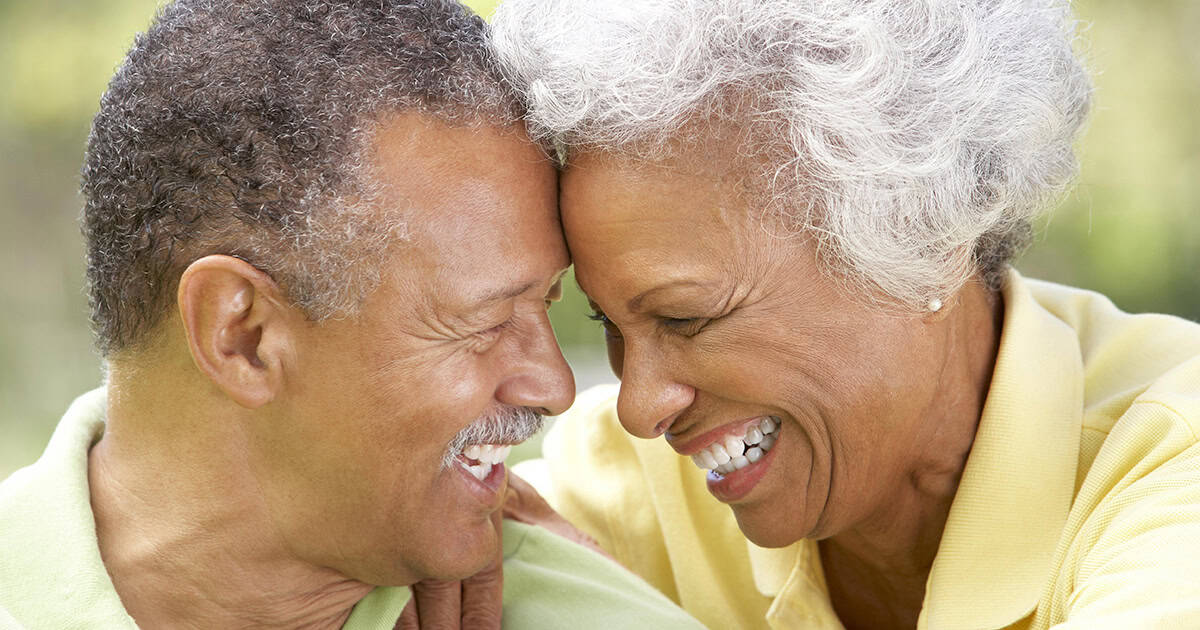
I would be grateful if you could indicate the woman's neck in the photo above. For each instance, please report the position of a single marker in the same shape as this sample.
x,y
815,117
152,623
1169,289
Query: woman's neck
x,y
877,571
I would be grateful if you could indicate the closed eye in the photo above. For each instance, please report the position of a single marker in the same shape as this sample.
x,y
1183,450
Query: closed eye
x,y
686,326
492,333
610,329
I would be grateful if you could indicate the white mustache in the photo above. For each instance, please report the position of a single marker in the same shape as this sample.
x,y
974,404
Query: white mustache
x,y
507,425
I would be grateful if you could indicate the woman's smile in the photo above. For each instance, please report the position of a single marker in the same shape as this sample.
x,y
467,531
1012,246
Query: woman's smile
x,y
735,456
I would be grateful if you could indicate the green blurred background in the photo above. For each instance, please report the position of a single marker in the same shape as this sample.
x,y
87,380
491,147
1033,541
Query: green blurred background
x,y
1131,229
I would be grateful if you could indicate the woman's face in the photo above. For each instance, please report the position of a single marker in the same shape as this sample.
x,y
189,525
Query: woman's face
x,y
717,319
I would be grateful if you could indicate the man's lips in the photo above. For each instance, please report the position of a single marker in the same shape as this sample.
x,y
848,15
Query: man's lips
x,y
484,481
479,459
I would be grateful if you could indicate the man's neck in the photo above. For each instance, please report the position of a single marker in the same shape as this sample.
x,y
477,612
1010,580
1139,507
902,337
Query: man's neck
x,y
182,530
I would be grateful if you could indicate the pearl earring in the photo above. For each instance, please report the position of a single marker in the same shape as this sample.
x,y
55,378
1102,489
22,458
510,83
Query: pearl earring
x,y
935,305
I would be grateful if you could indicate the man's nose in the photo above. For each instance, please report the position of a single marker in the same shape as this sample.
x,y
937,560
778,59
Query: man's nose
x,y
650,399
540,377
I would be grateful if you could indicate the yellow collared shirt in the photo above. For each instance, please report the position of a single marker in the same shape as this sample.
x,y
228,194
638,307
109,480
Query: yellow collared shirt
x,y
1079,506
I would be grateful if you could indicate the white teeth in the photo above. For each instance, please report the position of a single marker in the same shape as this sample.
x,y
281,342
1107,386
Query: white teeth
x,y
734,446
493,453
719,453
486,454
480,471
732,453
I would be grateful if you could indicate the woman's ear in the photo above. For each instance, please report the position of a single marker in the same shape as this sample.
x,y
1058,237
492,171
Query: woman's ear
x,y
238,327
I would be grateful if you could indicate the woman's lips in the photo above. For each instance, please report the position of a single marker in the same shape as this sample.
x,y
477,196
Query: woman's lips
x,y
719,434
741,445
736,455
732,486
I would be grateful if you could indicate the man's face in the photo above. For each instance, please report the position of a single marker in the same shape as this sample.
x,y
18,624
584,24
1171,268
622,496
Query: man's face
x,y
353,464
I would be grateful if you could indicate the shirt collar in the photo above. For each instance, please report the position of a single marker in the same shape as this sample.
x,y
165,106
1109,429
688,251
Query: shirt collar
x,y
771,567
49,535
71,583
1019,480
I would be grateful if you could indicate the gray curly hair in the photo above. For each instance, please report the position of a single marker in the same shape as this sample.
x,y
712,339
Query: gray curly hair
x,y
242,128
915,140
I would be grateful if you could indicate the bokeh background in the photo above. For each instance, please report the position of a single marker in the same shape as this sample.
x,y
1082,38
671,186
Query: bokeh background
x,y
1130,230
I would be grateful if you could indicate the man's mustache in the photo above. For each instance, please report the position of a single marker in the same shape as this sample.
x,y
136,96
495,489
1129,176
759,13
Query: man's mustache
x,y
505,425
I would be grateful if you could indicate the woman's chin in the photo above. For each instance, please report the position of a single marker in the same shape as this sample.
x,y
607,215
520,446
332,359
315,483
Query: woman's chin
x,y
767,527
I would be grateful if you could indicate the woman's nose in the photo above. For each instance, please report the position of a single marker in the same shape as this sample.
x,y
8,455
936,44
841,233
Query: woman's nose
x,y
650,399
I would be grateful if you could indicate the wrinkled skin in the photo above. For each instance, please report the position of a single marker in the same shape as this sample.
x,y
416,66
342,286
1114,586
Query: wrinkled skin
x,y
259,467
714,313
458,327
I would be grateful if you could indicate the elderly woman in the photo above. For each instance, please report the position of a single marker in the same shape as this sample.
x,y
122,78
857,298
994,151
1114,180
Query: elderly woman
x,y
795,219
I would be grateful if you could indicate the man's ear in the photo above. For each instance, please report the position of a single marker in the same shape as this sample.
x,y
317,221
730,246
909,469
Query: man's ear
x,y
238,327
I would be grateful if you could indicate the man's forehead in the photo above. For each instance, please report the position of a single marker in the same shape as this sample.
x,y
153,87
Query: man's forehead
x,y
401,137
462,287
479,205
452,176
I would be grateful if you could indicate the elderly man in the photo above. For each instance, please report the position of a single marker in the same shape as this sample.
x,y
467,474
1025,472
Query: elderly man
x,y
320,252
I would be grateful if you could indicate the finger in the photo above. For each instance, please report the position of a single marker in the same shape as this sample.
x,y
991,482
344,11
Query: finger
x,y
483,593
408,617
438,604
525,505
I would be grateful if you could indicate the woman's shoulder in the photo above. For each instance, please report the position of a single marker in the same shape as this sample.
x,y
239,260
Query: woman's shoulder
x,y
1128,358
593,414
589,441
1107,332
648,506
598,477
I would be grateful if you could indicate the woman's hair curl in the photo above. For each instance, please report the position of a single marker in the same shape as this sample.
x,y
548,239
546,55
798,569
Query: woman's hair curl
x,y
915,140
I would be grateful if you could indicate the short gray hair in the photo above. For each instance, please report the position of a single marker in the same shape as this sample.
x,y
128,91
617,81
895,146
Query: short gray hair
x,y
242,128
915,140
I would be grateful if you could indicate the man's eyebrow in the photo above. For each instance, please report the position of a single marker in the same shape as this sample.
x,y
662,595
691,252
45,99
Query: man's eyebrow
x,y
503,293
510,292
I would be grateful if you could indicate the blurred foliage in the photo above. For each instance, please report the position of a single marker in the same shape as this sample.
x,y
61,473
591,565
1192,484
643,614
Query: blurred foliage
x,y
1130,230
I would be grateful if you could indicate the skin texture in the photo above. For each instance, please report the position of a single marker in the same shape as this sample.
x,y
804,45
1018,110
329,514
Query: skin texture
x,y
477,602
263,470
715,314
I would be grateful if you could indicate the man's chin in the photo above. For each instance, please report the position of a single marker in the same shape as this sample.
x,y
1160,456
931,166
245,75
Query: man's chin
x,y
466,556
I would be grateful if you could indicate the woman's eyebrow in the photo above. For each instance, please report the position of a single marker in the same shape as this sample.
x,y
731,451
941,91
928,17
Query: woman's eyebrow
x,y
635,303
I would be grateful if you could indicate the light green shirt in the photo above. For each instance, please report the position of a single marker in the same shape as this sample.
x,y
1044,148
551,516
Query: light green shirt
x,y
51,575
